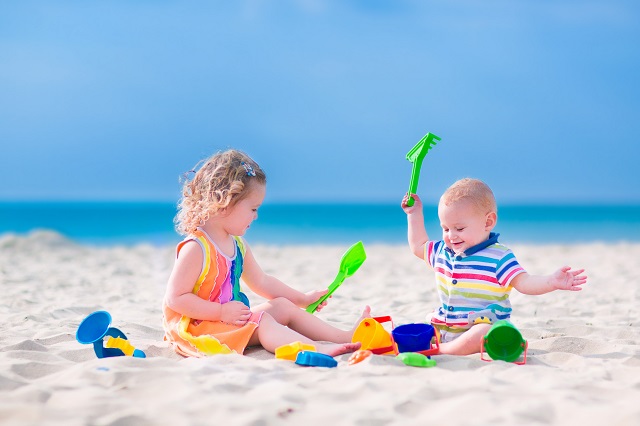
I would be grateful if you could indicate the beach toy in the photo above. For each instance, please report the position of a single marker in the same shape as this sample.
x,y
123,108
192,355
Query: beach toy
x,y
351,261
359,356
290,351
315,359
372,336
419,337
415,156
120,343
415,359
95,327
504,342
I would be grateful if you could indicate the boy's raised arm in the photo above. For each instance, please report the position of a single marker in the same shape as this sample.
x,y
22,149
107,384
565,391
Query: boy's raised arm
x,y
416,232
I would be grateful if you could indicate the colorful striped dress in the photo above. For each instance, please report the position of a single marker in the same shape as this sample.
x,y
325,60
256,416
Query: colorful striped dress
x,y
473,287
219,281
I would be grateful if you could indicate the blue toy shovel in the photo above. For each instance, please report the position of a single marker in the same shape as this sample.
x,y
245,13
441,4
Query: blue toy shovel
x,y
95,327
351,261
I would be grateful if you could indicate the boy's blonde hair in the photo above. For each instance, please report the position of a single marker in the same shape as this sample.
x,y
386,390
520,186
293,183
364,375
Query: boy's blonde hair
x,y
473,190
221,182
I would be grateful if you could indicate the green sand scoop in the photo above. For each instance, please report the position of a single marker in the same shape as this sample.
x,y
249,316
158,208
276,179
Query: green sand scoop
x,y
351,261
415,156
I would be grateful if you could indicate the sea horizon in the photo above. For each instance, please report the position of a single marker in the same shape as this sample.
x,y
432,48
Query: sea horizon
x,y
133,222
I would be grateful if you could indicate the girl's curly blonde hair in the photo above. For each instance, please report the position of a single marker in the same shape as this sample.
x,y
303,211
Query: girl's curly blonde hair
x,y
221,182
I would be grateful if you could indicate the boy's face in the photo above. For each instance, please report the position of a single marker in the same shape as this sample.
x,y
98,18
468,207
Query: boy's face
x,y
463,226
239,217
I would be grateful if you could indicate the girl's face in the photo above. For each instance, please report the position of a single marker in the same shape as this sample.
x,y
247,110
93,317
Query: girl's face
x,y
463,226
238,218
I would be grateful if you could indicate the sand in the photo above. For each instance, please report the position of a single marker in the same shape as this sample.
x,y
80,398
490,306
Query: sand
x,y
583,363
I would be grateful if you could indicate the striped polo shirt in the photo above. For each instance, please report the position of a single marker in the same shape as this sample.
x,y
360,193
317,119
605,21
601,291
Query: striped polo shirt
x,y
473,286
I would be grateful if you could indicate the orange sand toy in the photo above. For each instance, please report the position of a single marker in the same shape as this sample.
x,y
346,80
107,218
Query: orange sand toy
x,y
290,351
359,356
372,335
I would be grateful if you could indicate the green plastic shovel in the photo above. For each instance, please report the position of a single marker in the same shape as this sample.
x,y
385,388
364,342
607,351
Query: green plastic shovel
x,y
415,156
351,261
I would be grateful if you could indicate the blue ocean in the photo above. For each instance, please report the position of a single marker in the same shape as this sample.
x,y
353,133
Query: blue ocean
x,y
128,223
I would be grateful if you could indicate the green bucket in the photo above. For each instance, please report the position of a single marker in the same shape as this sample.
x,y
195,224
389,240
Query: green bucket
x,y
504,342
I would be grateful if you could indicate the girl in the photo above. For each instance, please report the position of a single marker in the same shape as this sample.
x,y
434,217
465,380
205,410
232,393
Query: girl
x,y
204,311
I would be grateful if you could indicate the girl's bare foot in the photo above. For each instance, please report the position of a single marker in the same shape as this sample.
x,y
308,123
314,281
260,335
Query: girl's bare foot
x,y
335,349
365,314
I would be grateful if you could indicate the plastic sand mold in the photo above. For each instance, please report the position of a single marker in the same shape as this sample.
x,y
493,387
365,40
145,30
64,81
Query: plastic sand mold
x,y
359,356
415,359
315,359
290,351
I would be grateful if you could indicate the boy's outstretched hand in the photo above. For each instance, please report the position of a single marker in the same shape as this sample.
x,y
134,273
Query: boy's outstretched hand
x,y
566,279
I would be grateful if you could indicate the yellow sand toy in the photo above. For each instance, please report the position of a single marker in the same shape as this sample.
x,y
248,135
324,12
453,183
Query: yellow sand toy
x,y
120,343
290,351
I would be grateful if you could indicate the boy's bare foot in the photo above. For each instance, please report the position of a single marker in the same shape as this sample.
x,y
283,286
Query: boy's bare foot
x,y
335,349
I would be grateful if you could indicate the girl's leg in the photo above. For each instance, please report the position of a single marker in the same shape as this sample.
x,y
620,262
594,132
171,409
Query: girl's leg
x,y
468,343
286,313
271,335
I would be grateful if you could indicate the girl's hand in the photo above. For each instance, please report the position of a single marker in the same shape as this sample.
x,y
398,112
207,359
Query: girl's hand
x,y
566,279
235,313
313,296
417,203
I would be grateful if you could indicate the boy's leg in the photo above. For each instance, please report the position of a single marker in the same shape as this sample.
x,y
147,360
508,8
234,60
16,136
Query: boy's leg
x,y
468,343
271,335
286,313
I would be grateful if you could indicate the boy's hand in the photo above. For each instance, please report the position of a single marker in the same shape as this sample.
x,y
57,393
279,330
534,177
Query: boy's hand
x,y
417,206
566,279
313,296
235,313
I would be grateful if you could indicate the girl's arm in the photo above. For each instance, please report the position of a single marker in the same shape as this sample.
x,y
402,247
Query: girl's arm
x,y
270,287
563,279
416,232
180,298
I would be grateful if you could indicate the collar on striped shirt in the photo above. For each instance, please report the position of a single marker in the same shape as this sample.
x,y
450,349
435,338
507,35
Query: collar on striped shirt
x,y
493,238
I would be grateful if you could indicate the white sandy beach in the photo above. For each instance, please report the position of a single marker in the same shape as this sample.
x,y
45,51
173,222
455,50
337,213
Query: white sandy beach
x,y
583,362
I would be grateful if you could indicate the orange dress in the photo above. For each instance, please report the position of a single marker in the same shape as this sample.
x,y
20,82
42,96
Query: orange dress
x,y
219,281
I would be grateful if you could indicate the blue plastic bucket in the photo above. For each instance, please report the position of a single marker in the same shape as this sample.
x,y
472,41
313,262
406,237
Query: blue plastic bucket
x,y
413,337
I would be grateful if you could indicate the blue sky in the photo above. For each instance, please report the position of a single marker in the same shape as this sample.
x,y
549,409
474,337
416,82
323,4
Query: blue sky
x,y
113,100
